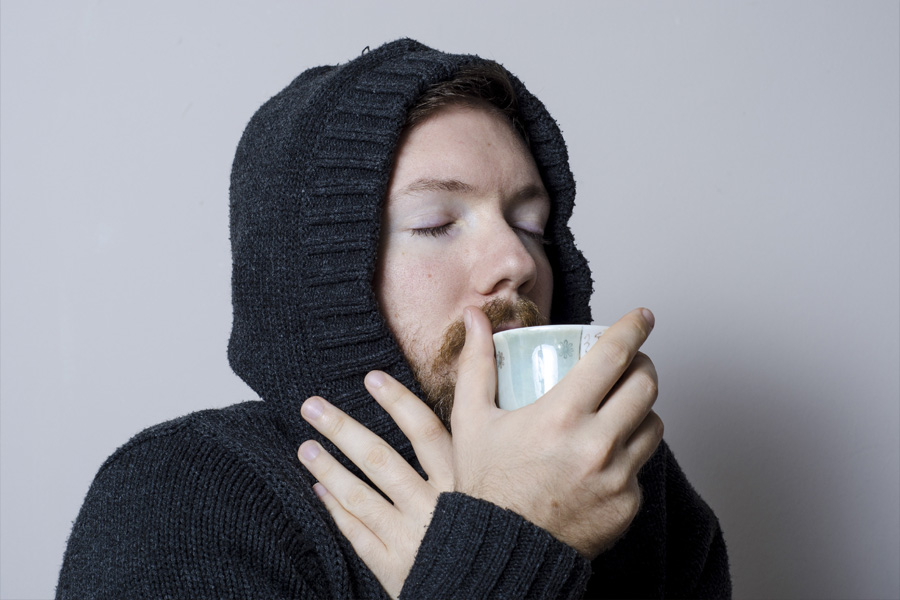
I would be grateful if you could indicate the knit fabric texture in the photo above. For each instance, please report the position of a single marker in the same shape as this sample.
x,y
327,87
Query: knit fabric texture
x,y
308,183
216,505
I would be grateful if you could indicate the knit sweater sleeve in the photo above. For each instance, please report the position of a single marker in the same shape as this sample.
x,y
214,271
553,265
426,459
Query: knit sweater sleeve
x,y
174,516
697,558
475,549
673,549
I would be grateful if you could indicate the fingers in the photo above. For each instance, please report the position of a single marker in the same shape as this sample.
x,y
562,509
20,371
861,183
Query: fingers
x,y
361,537
646,438
429,438
357,500
599,370
381,463
476,380
626,407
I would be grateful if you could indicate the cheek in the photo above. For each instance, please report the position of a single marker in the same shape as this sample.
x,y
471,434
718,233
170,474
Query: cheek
x,y
415,296
411,287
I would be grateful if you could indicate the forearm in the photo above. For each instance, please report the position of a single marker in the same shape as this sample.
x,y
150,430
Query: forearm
x,y
475,549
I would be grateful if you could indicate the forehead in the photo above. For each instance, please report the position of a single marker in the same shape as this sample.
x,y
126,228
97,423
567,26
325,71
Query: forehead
x,y
472,146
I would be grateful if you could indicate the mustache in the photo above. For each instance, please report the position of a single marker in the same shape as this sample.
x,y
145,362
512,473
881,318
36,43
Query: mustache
x,y
438,381
498,311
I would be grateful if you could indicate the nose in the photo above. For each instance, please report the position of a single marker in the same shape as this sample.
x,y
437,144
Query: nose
x,y
504,265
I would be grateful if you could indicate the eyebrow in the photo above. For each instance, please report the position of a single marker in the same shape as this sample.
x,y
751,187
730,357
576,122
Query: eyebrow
x,y
429,184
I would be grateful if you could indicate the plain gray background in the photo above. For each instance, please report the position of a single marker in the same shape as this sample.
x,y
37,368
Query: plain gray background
x,y
737,165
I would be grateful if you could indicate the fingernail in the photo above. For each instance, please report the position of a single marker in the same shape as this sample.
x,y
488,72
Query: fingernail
x,y
320,490
375,379
309,450
312,409
649,316
467,318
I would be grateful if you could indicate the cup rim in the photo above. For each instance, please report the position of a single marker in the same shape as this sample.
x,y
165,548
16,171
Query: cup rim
x,y
558,326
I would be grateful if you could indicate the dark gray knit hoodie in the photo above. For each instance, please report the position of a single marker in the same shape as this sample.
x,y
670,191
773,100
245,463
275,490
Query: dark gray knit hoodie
x,y
216,505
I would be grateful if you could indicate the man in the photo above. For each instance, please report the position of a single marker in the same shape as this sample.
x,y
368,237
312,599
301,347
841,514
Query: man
x,y
376,211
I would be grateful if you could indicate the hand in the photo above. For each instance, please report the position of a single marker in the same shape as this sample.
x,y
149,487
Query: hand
x,y
385,536
568,462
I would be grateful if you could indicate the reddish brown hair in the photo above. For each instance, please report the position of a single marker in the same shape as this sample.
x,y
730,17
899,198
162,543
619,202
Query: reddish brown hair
x,y
479,85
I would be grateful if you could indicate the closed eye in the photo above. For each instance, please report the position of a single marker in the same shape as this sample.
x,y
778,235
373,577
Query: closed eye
x,y
433,231
533,235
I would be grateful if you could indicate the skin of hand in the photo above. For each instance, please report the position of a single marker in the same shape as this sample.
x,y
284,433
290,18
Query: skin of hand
x,y
567,463
386,536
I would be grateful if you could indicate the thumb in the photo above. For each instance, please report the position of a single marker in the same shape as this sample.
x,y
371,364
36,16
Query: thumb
x,y
476,375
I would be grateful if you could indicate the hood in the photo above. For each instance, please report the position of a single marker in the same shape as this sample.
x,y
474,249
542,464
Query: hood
x,y
308,182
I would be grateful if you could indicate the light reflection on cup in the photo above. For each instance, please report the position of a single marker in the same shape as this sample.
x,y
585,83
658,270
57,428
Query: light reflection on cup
x,y
544,368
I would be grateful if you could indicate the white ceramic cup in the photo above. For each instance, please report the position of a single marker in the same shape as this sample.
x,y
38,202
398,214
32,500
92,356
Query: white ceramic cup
x,y
531,360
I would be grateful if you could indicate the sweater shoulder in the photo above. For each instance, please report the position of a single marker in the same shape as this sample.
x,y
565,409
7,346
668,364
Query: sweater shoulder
x,y
239,426
211,504
202,422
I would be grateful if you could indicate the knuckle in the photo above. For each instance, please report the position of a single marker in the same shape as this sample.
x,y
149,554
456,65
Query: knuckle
x,y
323,470
632,499
643,361
650,365
605,453
565,420
467,365
356,498
335,423
388,396
617,354
432,432
641,328
561,419
646,365
377,457
622,482
659,428
648,384
633,408
474,357
396,394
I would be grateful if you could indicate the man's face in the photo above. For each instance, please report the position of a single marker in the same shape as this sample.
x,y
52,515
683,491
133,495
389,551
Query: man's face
x,y
463,225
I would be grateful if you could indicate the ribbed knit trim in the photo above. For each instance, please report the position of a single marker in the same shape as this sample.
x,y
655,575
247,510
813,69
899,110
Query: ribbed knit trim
x,y
308,183
216,504
500,551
